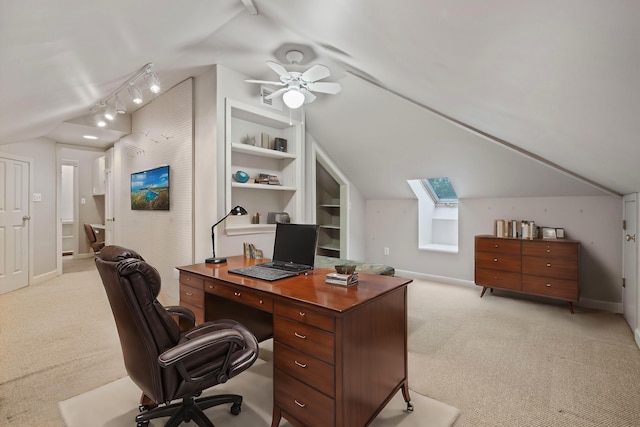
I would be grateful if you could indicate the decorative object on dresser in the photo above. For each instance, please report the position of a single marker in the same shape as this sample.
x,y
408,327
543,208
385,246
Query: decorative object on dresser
x,y
548,268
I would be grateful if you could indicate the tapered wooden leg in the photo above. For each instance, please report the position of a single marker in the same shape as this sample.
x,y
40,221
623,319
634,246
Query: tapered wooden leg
x,y
407,398
277,415
570,306
484,289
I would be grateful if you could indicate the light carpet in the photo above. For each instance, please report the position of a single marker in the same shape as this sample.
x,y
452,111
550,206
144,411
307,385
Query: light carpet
x,y
116,405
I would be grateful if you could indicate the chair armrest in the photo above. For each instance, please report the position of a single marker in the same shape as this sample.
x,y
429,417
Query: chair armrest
x,y
176,355
183,313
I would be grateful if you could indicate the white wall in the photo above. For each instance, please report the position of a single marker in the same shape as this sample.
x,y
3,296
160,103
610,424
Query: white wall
x,y
162,134
595,221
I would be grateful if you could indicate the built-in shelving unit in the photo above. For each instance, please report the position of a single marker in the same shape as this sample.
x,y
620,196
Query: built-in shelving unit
x,y
328,210
246,122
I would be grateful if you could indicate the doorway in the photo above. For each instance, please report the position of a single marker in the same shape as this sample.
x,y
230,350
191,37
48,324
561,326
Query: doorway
x,y
630,303
15,220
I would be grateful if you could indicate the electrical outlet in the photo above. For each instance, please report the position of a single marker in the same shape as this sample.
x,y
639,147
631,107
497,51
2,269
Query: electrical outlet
x,y
386,251
37,197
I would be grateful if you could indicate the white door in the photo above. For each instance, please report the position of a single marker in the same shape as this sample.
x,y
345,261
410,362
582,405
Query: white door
x,y
14,224
629,260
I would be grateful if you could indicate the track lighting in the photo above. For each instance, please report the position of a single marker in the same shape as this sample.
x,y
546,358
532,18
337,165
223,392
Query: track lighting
x,y
110,112
112,105
152,81
135,93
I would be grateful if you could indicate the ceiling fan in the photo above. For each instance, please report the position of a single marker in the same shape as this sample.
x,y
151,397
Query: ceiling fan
x,y
299,86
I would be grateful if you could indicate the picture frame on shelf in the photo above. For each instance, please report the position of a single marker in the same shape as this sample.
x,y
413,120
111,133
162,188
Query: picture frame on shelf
x,y
560,233
549,233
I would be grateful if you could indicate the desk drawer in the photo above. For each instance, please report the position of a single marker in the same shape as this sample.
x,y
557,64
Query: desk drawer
x,y
302,315
495,261
309,370
547,286
197,311
308,406
561,268
191,280
497,246
191,296
498,279
241,295
553,250
304,338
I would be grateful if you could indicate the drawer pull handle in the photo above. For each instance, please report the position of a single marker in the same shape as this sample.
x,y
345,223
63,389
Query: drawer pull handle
x,y
261,302
302,365
548,251
302,405
211,286
495,246
548,264
302,313
189,294
238,294
304,337
548,285
495,260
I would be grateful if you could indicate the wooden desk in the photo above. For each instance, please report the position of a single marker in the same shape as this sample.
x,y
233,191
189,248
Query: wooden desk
x,y
340,354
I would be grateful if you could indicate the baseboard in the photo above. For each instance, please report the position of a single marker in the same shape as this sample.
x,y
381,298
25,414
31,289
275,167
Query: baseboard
x,y
434,278
44,277
636,335
612,307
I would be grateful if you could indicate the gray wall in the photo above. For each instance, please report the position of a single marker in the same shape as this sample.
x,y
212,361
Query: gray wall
x,y
595,221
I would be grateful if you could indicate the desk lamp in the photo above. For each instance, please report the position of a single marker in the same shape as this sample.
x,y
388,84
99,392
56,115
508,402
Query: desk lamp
x,y
238,210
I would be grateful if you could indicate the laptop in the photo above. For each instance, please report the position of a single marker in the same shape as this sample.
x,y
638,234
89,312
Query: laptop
x,y
294,252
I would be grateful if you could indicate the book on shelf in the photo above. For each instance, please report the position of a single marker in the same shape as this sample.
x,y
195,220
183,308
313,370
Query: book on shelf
x,y
265,178
522,229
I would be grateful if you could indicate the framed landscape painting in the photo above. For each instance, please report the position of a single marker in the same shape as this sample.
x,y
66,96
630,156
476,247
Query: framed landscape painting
x,y
150,189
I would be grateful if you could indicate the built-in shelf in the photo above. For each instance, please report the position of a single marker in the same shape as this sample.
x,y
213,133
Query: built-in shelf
x,y
244,122
332,227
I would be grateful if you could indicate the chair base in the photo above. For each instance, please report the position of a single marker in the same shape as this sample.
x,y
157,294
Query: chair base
x,y
190,409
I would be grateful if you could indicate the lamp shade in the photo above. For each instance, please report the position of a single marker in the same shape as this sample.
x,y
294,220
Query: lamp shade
x,y
293,98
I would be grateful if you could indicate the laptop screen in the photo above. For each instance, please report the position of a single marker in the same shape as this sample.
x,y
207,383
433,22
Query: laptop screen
x,y
295,243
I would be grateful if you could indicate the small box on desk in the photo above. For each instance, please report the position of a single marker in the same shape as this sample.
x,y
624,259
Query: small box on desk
x,y
342,279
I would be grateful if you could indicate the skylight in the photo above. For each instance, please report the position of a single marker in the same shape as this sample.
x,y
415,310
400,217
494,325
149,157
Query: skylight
x,y
441,191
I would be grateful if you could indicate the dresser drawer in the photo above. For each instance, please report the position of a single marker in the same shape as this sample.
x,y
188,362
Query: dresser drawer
x,y
302,315
498,279
560,268
501,246
241,295
191,296
551,250
304,338
309,370
565,289
497,261
308,406
191,280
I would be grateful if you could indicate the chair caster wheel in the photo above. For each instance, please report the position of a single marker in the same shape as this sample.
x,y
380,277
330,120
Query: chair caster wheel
x,y
142,424
236,408
409,407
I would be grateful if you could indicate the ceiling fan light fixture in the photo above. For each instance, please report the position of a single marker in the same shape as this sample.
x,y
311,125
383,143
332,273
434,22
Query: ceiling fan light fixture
x,y
293,98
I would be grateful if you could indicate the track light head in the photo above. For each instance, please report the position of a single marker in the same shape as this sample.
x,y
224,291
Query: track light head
x,y
110,112
135,93
153,83
120,107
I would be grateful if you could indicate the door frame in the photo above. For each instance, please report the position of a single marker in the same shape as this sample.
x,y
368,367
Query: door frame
x,y
29,161
632,269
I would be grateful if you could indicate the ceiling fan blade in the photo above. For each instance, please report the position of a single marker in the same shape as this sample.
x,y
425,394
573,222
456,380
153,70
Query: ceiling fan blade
x,y
308,96
317,72
277,93
265,82
282,72
325,87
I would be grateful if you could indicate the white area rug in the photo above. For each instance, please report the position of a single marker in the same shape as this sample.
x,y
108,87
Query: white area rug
x,y
116,405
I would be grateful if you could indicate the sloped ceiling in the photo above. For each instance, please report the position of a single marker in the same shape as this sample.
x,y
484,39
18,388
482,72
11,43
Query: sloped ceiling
x,y
488,93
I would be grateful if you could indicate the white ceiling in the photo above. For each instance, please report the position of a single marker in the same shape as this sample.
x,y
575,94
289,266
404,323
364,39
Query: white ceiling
x,y
431,87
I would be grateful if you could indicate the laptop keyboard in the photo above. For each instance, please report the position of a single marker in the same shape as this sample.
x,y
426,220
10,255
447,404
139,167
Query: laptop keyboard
x,y
268,274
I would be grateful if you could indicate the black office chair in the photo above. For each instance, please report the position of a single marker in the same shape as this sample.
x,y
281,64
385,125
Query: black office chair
x,y
93,240
165,362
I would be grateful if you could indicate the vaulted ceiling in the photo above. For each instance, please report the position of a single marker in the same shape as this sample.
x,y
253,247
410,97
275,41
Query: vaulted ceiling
x,y
507,99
